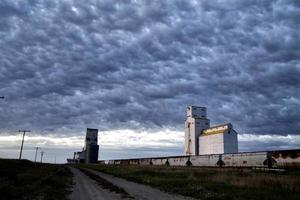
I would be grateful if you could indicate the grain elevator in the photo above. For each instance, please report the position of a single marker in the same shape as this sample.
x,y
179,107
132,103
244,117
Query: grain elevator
x,y
91,146
201,139
196,122
90,151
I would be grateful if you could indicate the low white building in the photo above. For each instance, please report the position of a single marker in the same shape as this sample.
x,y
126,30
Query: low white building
x,y
218,140
201,139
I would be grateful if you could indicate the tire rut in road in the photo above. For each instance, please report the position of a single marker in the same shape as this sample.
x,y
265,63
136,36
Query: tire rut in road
x,y
106,184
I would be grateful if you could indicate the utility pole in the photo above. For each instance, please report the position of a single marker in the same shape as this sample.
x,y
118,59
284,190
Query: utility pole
x,y
42,154
24,131
36,150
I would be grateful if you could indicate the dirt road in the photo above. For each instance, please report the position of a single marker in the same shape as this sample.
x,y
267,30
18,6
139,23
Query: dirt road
x,y
87,189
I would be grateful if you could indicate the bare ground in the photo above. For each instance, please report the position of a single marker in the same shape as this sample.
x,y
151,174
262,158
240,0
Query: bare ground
x,y
87,189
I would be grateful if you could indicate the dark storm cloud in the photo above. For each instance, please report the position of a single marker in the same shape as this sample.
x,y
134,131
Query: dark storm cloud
x,y
67,65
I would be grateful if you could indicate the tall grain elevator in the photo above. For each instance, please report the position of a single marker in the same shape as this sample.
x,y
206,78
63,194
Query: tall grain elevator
x,y
196,122
91,146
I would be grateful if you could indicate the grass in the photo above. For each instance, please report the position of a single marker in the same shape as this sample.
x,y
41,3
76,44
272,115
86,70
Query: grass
x,y
212,183
22,180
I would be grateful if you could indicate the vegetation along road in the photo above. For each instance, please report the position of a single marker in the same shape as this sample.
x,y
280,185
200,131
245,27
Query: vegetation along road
x,y
211,183
25,180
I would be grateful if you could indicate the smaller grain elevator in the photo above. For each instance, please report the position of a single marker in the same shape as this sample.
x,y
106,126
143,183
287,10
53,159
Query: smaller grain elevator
x,y
91,147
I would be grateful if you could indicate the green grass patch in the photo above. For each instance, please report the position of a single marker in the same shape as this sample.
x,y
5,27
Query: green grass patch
x,y
211,183
22,180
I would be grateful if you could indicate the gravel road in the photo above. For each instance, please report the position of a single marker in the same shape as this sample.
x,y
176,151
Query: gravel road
x,y
87,189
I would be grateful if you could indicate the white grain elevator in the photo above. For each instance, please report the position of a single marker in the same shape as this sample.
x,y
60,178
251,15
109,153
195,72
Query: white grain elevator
x,y
201,139
196,122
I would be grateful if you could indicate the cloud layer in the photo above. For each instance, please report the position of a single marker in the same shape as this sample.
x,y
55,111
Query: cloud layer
x,y
129,144
66,64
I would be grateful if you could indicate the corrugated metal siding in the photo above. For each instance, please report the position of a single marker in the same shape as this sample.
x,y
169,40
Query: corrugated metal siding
x,y
159,161
205,160
211,144
244,159
178,161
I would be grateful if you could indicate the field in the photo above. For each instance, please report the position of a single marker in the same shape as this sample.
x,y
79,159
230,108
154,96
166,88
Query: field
x,y
27,180
212,183
23,179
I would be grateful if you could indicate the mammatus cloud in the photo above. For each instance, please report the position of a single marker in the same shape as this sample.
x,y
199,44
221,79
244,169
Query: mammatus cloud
x,y
117,65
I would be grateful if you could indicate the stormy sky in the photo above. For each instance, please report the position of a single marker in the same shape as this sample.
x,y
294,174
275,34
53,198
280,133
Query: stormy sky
x,y
130,68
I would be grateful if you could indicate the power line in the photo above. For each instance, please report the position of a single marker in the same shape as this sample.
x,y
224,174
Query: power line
x,y
24,132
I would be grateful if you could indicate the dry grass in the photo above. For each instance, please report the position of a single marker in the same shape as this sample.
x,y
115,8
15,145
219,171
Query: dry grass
x,y
287,182
212,183
25,180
